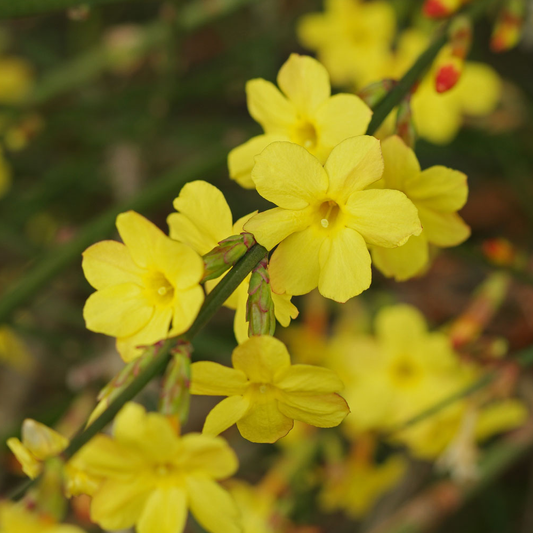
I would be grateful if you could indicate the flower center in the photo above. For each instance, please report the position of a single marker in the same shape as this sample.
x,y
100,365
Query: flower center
x,y
159,291
405,372
329,212
305,135
262,392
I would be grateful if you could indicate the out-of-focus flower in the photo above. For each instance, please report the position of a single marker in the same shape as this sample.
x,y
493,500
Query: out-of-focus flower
x,y
437,192
17,518
508,28
305,113
16,80
203,220
151,476
142,286
266,393
39,443
352,39
325,220
13,351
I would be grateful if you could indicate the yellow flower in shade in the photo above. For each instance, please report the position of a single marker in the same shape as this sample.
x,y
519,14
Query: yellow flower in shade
x,y
352,39
325,220
305,114
205,219
142,286
17,518
438,193
266,393
13,351
151,476
257,507
39,443
16,80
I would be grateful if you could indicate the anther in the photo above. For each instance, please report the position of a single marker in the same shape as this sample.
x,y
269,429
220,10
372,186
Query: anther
x,y
162,291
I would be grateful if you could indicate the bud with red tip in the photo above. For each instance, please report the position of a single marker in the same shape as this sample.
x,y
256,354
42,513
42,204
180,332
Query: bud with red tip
x,y
440,8
508,28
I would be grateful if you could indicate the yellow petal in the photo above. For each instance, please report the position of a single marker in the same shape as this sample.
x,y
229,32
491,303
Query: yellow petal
x,y
14,351
340,117
401,164
439,188
443,229
238,227
308,378
240,324
403,262
294,267
353,165
207,454
119,504
228,412
305,82
271,227
31,466
212,506
260,358
284,309
319,410
241,159
186,308
264,423
344,266
120,310
42,441
400,327
155,330
314,30
213,379
289,176
109,263
479,89
151,434
269,107
181,265
164,512
500,416
383,217
204,217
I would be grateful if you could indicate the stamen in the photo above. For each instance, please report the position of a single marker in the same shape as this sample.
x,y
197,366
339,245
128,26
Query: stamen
x,y
162,291
325,221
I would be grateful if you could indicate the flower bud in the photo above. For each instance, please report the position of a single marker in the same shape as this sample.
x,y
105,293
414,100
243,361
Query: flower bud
x,y
226,254
440,8
508,28
405,128
175,395
260,307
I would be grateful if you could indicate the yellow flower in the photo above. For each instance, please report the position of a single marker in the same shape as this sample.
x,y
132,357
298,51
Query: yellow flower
x,y
142,286
39,443
16,80
438,193
205,219
305,114
13,351
257,507
352,39
17,518
266,393
151,476
326,220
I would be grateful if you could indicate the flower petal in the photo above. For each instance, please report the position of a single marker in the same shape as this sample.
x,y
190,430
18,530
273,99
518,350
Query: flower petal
x,y
344,266
403,262
271,227
119,504
264,423
31,466
383,217
204,217
213,379
164,512
294,267
109,263
225,414
212,506
400,164
479,89
305,82
241,159
342,116
353,165
260,358
289,176
443,229
240,324
308,378
155,330
319,410
269,107
439,188
207,455
119,310
284,309
400,327
187,305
